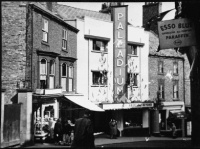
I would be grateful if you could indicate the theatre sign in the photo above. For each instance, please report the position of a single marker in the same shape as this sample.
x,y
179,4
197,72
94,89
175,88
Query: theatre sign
x,y
176,33
119,53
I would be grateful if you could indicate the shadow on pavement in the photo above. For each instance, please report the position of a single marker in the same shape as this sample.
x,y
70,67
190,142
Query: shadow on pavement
x,y
152,144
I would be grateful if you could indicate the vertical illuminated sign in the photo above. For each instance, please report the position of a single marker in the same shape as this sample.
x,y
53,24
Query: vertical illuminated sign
x,y
120,56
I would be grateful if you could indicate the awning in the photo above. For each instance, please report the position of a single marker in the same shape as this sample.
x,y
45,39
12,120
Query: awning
x,y
81,101
177,114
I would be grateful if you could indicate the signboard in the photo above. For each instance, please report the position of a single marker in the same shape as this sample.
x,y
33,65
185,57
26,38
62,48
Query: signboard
x,y
120,56
176,33
127,106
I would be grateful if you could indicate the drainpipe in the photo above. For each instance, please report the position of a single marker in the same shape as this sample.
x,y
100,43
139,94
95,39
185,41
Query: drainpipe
x,y
88,65
183,120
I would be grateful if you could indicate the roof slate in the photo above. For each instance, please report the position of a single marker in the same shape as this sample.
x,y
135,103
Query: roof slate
x,y
68,12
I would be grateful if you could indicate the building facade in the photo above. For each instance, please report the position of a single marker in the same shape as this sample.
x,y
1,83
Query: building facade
x,y
168,77
95,70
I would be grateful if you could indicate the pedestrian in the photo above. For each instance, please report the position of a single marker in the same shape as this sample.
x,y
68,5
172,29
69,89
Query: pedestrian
x,y
58,131
51,128
113,129
83,132
67,132
173,130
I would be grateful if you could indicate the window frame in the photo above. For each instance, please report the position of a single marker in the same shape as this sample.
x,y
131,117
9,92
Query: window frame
x,y
161,88
64,39
175,83
133,83
160,69
44,29
133,48
175,70
105,45
70,67
105,82
41,74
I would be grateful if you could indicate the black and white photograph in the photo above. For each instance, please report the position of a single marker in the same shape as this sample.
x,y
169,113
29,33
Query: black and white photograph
x,y
100,74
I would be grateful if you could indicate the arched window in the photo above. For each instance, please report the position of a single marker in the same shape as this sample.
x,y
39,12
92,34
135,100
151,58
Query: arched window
x,y
64,76
43,73
71,73
52,74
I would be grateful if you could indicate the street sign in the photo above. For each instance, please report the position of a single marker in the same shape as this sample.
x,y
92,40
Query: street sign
x,y
176,33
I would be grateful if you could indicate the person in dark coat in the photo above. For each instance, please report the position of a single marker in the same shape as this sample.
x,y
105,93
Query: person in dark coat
x,y
67,132
58,132
113,129
83,132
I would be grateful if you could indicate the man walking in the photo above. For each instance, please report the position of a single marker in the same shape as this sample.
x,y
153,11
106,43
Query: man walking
x,y
83,132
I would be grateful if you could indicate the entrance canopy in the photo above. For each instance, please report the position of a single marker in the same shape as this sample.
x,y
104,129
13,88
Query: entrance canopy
x,y
177,114
81,101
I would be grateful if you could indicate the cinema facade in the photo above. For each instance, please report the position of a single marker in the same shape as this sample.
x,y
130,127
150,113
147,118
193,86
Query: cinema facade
x,y
112,69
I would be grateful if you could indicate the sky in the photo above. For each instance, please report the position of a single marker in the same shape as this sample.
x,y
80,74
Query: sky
x,y
134,9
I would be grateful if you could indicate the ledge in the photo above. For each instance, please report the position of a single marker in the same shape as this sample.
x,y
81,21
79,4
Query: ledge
x,y
24,90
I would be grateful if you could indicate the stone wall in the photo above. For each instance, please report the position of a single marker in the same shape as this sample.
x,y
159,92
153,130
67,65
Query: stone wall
x,y
13,46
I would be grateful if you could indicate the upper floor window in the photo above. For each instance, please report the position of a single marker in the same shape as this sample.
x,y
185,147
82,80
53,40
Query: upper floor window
x,y
52,74
99,77
132,49
67,77
160,67
52,67
161,88
133,79
175,68
64,39
175,89
71,77
43,73
99,45
44,30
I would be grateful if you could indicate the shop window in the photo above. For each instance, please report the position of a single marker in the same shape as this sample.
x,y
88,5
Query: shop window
x,y
64,39
161,88
43,73
160,67
99,45
132,79
67,77
132,49
52,74
44,30
99,77
175,89
175,68
133,118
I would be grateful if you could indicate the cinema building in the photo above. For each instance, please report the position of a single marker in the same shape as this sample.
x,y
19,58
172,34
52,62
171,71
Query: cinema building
x,y
112,68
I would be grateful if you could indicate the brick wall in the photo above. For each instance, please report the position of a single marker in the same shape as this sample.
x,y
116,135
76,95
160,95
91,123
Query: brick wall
x,y
13,46
168,57
150,11
54,44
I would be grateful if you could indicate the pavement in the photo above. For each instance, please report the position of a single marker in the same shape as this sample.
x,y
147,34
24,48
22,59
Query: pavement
x,y
103,140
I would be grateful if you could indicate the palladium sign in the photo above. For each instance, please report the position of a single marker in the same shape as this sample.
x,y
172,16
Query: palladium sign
x,y
120,56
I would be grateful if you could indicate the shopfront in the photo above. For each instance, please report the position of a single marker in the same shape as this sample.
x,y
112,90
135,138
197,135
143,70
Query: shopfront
x,y
172,112
133,119
54,106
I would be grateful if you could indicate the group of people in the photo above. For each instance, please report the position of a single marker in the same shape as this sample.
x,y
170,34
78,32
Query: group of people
x,y
63,134
78,135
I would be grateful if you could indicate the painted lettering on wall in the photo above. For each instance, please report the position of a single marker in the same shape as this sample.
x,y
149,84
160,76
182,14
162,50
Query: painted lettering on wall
x,y
120,58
